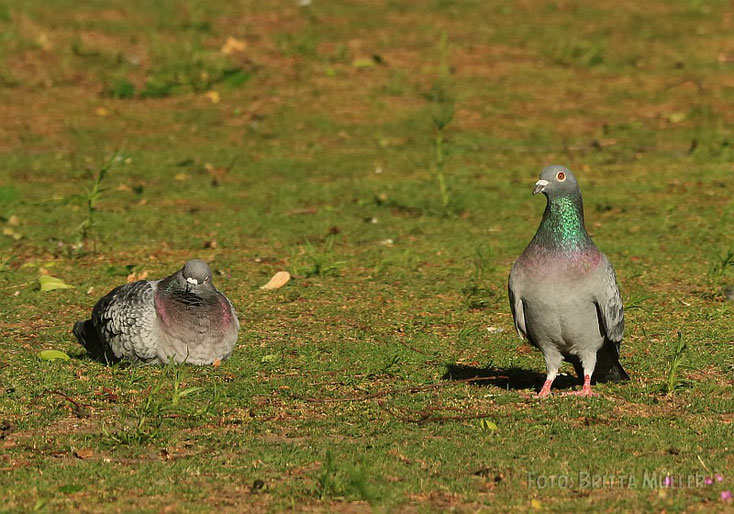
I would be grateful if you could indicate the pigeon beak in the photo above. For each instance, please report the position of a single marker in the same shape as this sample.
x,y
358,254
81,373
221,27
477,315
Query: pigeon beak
x,y
540,186
191,282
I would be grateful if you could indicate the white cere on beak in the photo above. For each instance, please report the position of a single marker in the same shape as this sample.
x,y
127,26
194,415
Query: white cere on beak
x,y
192,281
540,186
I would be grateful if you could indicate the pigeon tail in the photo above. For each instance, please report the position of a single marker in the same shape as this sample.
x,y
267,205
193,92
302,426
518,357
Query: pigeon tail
x,y
89,339
617,373
608,368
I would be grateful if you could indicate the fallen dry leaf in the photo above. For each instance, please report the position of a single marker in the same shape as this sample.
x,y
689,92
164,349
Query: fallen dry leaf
x,y
12,233
279,280
233,45
43,41
217,363
213,96
134,277
83,453
307,210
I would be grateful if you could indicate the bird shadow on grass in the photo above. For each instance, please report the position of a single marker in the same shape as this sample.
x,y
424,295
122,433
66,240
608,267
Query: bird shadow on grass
x,y
80,355
84,356
513,378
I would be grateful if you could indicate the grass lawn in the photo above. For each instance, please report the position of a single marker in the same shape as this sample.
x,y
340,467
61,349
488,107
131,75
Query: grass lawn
x,y
382,152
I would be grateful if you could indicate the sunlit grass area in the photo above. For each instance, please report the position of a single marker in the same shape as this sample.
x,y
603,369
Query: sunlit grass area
x,y
383,153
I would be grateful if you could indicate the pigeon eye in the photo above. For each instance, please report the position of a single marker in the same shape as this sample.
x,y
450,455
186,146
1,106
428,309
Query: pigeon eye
x,y
561,176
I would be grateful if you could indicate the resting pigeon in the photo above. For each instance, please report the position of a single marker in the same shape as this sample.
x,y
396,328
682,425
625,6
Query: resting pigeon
x,y
563,290
182,316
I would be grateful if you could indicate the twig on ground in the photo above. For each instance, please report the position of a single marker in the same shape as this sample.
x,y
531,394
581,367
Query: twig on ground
x,y
78,409
11,286
406,345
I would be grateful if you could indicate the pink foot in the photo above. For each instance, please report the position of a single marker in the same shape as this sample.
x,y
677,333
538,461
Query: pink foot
x,y
545,391
585,392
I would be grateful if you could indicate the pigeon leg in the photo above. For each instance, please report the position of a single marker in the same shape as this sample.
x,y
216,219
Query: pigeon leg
x,y
588,362
553,361
545,391
585,390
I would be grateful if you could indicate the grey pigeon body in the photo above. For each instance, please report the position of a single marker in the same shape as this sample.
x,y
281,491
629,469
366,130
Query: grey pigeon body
x,y
181,317
563,291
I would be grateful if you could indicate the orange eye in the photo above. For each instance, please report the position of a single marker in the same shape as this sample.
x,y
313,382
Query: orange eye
x,y
561,176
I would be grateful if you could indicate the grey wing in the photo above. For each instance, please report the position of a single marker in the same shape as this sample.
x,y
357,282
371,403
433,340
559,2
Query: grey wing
x,y
609,303
518,313
124,319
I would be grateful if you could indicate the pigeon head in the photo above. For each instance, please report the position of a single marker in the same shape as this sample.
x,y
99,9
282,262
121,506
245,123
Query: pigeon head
x,y
195,278
197,272
189,286
555,182
563,220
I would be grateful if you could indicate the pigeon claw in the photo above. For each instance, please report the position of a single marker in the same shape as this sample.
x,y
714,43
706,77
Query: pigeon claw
x,y
585,391
545,391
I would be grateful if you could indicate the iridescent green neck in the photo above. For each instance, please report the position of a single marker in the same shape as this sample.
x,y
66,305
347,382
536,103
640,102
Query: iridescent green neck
x,y
563,224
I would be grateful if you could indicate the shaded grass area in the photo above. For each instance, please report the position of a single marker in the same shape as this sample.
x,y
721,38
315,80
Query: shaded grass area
x,y
308,144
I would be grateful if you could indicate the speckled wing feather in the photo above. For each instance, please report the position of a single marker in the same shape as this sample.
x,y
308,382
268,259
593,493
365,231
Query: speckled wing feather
x,y
516,306
609,303
124,320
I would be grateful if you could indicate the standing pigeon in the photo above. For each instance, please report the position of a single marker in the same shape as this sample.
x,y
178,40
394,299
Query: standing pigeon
x,y
563,290
182,316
